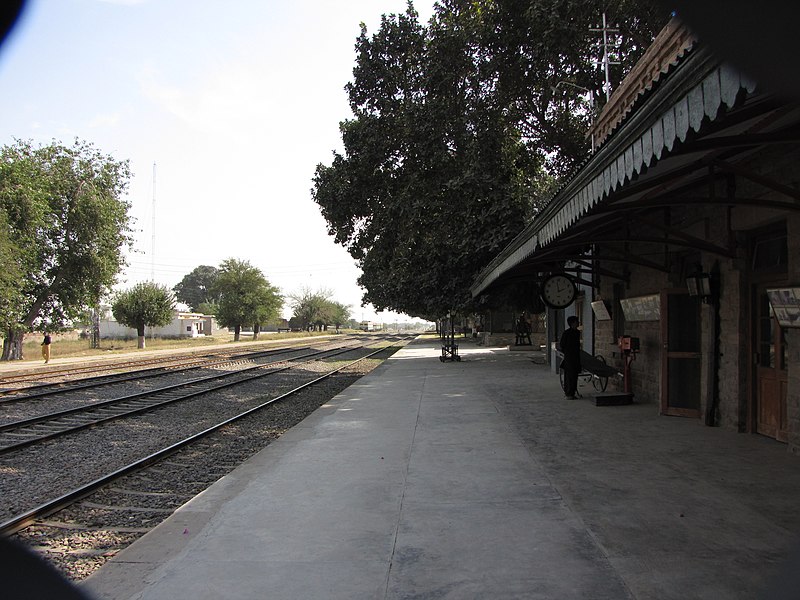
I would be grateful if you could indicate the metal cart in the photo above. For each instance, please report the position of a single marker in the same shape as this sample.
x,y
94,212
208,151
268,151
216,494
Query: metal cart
x,y
594,369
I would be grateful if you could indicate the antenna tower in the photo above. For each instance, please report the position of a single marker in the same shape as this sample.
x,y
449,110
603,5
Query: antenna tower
x,y
606,60
153,239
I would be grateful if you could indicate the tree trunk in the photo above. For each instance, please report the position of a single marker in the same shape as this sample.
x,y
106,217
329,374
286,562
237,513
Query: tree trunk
x,y
256,330
12,345
236,331
140,333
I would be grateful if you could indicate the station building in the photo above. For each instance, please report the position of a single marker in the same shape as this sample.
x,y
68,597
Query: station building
x,y
681,233
183,325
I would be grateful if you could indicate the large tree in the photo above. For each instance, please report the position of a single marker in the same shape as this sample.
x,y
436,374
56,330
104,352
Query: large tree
x,y
546,56
195,289
339,314
317,309
268,301
459,133
11,298
65,225
146,304
245,296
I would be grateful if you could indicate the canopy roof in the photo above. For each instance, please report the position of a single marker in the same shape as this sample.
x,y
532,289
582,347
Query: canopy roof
x,y
690,127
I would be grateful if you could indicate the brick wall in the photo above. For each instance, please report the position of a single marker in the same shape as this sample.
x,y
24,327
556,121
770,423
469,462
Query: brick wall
x,y
734,343
646,367
793,338
735,378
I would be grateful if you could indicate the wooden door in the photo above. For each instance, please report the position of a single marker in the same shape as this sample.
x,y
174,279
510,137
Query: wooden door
x,y
681,357
770,370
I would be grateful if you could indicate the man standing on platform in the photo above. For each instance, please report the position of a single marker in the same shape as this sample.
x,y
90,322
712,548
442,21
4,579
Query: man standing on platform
x,y
570,346
46,348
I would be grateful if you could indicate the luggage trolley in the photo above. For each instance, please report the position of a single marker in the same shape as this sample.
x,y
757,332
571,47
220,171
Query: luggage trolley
x,y
594,369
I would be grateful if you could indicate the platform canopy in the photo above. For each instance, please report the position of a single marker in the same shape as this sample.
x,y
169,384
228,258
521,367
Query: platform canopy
x,y
667,141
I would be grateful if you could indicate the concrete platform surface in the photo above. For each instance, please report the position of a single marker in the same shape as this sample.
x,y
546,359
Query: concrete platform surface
x,y
477,479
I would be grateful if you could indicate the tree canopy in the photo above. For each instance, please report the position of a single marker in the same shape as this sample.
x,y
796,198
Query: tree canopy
x,y
245,296
460,132
64,227
146,304
195,289
317,309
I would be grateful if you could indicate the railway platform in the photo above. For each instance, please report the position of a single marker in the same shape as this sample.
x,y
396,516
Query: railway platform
x,y
477,479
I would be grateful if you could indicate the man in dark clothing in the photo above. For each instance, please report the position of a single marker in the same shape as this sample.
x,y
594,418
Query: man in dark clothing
x,y
570,346
46,348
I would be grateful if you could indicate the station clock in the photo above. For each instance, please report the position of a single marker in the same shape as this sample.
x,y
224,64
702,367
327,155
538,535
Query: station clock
x,y
558,291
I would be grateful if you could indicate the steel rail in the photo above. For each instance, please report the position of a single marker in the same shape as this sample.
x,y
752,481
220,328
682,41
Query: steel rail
x,y
48,508
142,402
164,362
56,371
22,394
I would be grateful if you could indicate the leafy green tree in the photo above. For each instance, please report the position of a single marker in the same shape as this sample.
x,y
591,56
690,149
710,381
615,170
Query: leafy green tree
x,y
146,304
195,289
311,309
11,298
207,308
544,56
434,179
269,302
459,134
64,231
339,314
245,296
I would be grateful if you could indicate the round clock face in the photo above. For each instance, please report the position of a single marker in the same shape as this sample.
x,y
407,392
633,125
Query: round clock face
x,y
558,291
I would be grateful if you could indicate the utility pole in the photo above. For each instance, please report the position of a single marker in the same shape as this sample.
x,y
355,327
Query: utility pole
x,y
606,60
153,238
153,244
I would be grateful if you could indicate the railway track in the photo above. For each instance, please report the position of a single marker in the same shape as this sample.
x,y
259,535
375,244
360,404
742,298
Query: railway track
x,y
68,498
44,390
29,378
21,386
26,432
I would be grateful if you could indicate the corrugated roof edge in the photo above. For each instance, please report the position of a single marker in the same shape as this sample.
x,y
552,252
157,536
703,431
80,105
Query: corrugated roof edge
x,y
708,85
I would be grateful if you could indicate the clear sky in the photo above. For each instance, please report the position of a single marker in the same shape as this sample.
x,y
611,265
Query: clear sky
x,y
235,103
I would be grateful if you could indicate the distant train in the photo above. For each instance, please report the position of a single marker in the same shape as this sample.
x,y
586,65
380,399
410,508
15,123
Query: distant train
x,y
371,326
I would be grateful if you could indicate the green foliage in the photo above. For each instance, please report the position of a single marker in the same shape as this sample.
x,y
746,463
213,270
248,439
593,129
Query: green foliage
x,y
245,296
11,298
207,308
317,309
195,289
545,57
65,225
459,134
339,314
146,304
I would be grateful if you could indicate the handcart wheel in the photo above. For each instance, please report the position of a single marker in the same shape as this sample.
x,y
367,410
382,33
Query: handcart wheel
x,y
599,382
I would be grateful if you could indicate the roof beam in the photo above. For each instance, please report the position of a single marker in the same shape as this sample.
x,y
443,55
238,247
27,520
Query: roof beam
x,y
760,179
694,241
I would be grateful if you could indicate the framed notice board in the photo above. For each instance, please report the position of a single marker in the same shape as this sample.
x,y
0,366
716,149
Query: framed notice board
x,y
642,308
600,309
785,304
